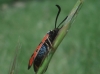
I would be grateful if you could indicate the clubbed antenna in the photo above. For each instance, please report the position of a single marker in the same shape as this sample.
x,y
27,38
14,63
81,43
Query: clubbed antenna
x,y
57,14
57,17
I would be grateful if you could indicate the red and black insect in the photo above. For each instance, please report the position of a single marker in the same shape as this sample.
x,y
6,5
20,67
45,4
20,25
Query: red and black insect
x,y
43,48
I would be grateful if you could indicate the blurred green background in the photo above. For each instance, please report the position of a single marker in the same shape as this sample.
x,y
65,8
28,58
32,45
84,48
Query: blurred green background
x,y
29,21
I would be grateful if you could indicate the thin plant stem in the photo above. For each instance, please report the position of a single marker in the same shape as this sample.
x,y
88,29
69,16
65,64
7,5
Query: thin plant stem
x,y
14,62
63,31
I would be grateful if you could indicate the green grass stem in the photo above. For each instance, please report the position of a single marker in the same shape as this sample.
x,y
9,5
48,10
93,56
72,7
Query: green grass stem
x,y
14,62
60,36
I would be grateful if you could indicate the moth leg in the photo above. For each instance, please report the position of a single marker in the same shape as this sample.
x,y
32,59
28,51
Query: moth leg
x,y
49,42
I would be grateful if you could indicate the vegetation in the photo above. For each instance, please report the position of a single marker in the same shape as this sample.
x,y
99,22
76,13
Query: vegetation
x,y
77,54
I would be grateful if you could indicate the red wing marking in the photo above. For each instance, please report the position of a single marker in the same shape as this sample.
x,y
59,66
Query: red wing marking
x,y
37,50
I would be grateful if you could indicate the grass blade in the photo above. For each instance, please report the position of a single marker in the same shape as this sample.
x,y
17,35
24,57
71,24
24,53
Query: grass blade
x,y
61,35
13,66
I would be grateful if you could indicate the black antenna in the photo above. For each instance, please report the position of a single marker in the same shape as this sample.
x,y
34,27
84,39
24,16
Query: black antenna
x,y
62,21
57,14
